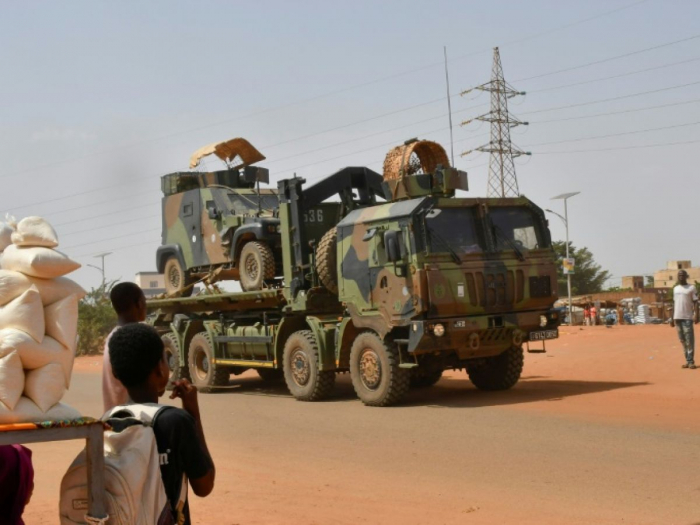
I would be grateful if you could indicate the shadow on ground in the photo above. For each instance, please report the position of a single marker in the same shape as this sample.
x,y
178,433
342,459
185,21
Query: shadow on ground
x,y
450,392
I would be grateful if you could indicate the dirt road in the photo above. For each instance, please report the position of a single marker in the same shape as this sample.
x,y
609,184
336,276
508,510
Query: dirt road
x,y
604,428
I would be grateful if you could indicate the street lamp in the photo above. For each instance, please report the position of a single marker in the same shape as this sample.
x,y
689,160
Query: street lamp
x,y
102,267
565,218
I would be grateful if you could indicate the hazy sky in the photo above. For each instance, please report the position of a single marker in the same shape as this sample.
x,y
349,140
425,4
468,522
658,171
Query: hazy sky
x,y
98,100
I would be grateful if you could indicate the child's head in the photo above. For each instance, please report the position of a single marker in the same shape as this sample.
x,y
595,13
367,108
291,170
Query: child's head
x,y
129,302
137,358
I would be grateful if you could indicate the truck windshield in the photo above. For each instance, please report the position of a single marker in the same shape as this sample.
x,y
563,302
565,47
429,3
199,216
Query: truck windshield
x,y
516,226
246,203
452,230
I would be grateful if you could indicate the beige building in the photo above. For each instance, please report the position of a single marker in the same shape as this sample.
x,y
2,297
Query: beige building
x,y
152,283
667,278
633,282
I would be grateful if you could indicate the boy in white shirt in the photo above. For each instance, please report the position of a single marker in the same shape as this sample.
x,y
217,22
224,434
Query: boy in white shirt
x,y
685,311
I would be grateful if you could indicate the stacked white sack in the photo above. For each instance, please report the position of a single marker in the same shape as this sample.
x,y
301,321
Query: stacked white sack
x,y
38,323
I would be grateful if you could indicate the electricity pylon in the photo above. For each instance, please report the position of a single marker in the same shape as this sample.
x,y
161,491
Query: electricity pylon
x,y
502,180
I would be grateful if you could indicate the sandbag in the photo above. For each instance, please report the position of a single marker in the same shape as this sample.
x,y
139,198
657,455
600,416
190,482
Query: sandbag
x,y
62,320
26,411
24,313
37,262
11,379
5,235
45,386
34,231
13,284
35,355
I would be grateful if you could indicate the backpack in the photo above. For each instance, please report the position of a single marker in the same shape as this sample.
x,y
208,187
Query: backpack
x,y
135,494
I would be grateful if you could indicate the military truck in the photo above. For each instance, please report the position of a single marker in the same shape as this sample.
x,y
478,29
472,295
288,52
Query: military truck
x,y
219,225
400,280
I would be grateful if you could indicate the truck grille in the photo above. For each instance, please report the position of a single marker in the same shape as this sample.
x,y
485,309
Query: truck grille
x,y
540,286
489,289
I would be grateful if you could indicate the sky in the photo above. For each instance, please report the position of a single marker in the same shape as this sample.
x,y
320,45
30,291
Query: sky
x,y
100,99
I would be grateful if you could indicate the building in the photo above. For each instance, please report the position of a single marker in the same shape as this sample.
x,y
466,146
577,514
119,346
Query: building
x,y
152,283
633,282
668,277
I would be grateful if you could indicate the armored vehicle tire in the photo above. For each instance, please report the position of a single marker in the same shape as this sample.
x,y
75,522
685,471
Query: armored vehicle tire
x,y
177,279
204,372
422,378
256,264
301,371
375,372
498,373
172,357
327,260
270,375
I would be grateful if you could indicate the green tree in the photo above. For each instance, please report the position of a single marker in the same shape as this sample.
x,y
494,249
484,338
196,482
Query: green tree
x,y
96,318
588,276
649,281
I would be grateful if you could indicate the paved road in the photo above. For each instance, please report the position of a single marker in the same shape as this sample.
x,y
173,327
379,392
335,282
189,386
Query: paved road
x,y
573,443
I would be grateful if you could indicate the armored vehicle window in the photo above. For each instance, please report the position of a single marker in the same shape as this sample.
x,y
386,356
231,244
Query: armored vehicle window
x,y
516,226
246,203
452,229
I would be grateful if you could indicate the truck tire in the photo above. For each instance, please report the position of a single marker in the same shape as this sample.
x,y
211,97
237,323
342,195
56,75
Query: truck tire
x,y
301,372
375,372
327,260
422,378
270,375
498,373
177,279
204,372
178,370
256,264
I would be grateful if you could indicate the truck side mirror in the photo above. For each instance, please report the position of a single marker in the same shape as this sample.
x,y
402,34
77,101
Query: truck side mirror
x,y
393,245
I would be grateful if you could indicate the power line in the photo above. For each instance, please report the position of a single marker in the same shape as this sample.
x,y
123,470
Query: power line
x,y
694,101
600,101
110,239
644,146
614,134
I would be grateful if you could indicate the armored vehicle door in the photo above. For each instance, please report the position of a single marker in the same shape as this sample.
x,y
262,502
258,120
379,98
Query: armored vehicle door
x,y
191,215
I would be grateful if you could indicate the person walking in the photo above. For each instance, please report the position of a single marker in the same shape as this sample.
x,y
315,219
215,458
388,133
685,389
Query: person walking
x,y
586,316
594,315
685,311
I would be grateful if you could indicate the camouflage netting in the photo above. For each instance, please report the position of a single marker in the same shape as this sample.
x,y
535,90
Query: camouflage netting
x,y
417,157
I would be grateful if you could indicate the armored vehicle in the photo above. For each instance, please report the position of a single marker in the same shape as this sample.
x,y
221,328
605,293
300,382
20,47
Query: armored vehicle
x,y
403,281
220,225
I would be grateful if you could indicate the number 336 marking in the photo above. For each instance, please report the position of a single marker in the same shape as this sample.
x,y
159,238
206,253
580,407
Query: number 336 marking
x,y
313,216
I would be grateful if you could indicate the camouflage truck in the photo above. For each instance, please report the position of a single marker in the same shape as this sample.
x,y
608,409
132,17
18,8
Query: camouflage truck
x,y
393,292
219,225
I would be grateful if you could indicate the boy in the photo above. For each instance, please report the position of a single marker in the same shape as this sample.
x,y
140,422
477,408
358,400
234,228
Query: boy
x,y
138,361
130,304
685,311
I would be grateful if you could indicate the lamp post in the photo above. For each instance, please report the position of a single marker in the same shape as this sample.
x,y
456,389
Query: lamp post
x,y
565,218
102,267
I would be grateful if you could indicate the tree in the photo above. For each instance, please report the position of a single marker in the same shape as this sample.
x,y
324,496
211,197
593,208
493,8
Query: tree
x,y
96,318
649,281
588,276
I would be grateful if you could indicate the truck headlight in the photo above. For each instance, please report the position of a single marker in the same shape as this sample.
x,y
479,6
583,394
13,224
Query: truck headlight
x,y
543,321
439,330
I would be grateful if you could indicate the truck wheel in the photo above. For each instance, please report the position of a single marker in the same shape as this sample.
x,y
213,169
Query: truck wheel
x,y
176,278
172,356
270,375
422,378
304,380
498,373
204,372
257,264
375,372
327,260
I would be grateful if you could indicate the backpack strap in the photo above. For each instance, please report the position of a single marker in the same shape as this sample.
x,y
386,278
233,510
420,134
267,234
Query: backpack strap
x,y
146,413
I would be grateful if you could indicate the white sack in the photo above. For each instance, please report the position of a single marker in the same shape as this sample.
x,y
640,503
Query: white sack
x,y
5,235
26,411
35,355
62,320
37,262
13,284
45,386
11,379
35,231
24,313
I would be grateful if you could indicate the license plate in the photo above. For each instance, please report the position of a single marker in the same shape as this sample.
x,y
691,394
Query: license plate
x,y
541,335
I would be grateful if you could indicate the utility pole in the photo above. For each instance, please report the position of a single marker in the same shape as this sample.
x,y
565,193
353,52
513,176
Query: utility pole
x,y
502,180
565,197
101,268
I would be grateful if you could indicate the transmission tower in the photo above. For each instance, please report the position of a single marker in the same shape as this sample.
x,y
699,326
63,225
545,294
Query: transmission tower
x,y
502,180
